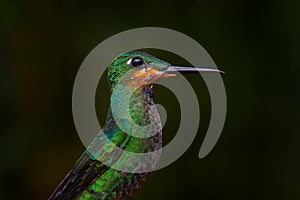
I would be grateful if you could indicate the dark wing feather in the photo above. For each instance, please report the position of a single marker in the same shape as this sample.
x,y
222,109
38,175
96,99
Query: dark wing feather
x,y
84,172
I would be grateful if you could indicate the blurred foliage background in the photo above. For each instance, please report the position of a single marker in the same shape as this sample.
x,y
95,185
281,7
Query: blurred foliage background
x,y
42,44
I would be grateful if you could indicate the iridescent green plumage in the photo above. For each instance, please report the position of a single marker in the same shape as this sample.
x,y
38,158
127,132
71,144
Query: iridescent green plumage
x,y
90,178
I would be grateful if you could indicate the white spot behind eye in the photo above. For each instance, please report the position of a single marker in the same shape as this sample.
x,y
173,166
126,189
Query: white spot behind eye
x,y
129,61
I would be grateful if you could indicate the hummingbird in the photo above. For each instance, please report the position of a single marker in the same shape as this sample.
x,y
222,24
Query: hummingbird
x,y
90,179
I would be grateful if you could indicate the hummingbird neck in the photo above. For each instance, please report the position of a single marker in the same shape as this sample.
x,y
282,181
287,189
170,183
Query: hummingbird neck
x,y
140,105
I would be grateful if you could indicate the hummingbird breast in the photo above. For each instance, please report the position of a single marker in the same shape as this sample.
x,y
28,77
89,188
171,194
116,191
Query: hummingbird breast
x,y
115,184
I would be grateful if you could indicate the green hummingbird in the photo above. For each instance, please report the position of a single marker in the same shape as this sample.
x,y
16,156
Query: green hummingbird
x,y
91,179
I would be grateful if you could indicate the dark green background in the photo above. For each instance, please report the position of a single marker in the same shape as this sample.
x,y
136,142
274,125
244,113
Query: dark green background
x,y
42,44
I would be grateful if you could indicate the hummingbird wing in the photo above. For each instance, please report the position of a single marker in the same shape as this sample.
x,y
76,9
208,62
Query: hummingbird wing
x,y
83,173
87,169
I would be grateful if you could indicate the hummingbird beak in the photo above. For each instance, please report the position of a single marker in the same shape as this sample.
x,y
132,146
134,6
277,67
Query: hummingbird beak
x,y
190,70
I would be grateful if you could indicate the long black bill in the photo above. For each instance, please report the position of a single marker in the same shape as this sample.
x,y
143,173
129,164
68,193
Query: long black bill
x,y
175,69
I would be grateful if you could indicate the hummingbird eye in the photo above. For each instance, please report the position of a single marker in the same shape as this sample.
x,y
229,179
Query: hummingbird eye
x,y
137,62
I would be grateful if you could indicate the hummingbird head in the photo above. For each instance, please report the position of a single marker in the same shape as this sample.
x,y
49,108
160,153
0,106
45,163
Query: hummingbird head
x,y
139,68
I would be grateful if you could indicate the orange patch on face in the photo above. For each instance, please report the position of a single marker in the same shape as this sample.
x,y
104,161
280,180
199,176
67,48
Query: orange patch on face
x,y
146,76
